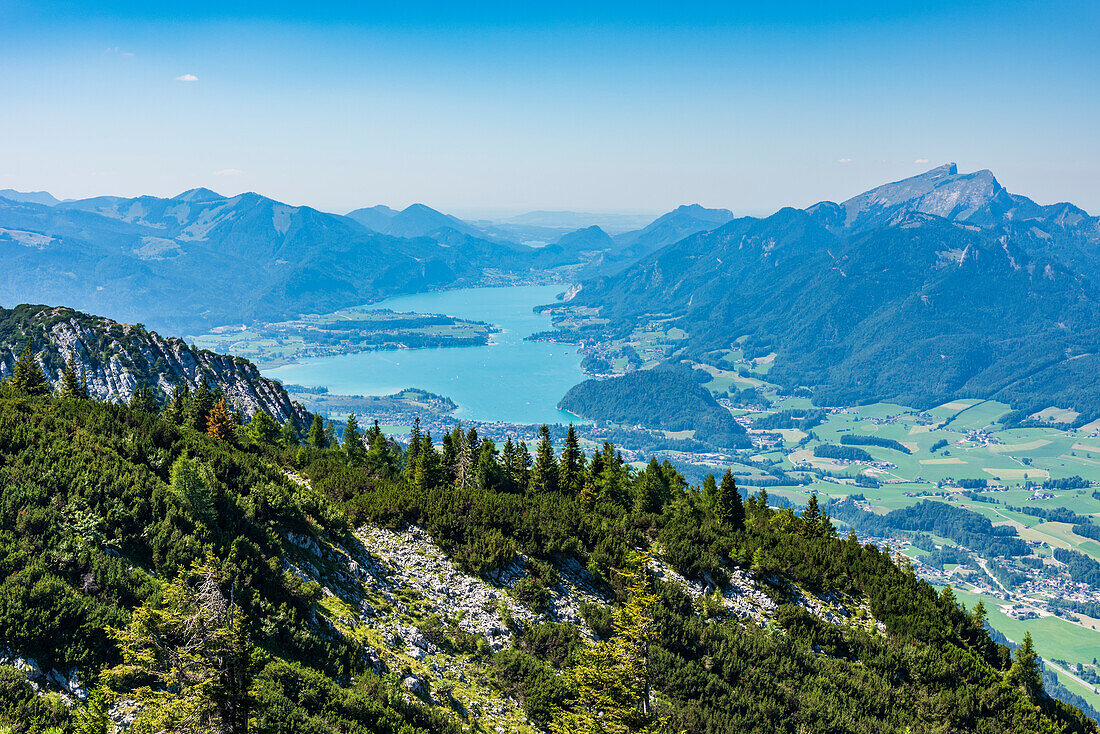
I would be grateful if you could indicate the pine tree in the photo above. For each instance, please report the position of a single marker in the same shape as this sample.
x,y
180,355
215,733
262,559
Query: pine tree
x,y
380,460
544,475
729,507
198,408
70,383
651,489
330,435
463,458
428,469
263,429
612,678
811,517
27,376
710,490
570,469
412,453
144,400
178,405
354,450
84,394
316,437
288,436
1025,673
220,423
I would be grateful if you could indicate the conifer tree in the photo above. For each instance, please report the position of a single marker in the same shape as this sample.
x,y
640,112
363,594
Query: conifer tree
x,y
463,458
544,475
288,436
70,382
412,453
380,460
811,517
198,408
144,400
428,469
612,678
710,490
330,435
316,437
178,407
263,429
27,376
83,394
729,507
220,423
570,470
651,489
354,450
1024,672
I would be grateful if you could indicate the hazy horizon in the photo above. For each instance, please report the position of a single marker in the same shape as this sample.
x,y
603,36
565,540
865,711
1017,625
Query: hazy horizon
x,y
570,107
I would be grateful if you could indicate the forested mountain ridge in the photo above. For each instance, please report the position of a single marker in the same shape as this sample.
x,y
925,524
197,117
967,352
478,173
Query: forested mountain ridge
x,y
935,287
114,360
569,592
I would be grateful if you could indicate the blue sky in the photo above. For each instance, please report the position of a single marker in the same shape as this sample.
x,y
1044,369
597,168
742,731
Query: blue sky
x,y
501,107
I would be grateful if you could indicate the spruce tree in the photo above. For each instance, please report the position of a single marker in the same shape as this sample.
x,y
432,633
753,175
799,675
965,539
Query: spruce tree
x,y
412,453
198,408
27,376
263,429
544,475
811,517
710,489
70,383
177,409
83,394
570,470
354,449
288,436
145,400
729,507
651,489
330,435
316,437
1025,673
220,423
428,469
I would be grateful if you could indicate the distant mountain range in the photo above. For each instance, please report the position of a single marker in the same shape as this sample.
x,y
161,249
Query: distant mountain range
x,y
943,285
200,259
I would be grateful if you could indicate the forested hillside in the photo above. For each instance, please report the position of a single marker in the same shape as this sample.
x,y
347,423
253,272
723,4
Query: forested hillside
x,y
234,580
936,287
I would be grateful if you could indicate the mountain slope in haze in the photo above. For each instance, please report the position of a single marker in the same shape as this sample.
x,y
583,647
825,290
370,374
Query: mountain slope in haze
x,y
200,259
934,287
29,197
116,359
665,230
416,220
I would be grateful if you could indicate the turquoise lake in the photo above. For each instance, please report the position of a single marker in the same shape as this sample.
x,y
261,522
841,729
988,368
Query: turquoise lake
x,y
509,380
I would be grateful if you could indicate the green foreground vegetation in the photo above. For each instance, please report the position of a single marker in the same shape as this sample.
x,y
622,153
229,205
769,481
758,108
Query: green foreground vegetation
x,y
148,551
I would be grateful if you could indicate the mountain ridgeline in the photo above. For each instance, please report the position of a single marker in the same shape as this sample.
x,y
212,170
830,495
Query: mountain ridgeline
x,y
940,286
116,359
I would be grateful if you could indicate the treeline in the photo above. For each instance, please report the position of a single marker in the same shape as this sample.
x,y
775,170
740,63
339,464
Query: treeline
x,y
1082,569
801,418
1053,514
844,453
966,528
852,439
1074,482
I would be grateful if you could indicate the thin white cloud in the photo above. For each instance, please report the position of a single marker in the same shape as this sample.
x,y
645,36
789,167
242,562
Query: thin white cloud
x,y
187,78
843,160
921,160
229,172
118,51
